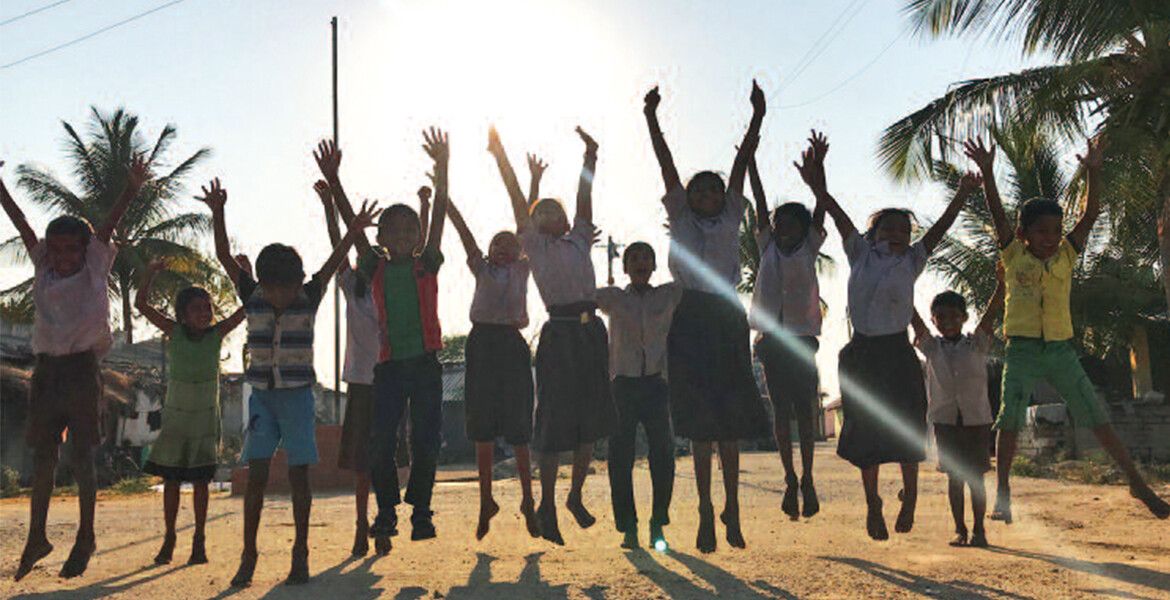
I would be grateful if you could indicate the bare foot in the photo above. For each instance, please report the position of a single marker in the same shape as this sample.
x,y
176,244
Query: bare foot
x,y
656,536
167,551
549,529
1147,496
243,577
630,539
905,522
530,521
875,523
979,539
960,538
298,573
734,533
1003,507
382,545
361,540
33,552
791,502
811,504
198,551
705,539
487,510
78,559
577,509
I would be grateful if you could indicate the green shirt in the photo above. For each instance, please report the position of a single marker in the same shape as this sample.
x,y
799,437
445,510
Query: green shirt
x,y
403,326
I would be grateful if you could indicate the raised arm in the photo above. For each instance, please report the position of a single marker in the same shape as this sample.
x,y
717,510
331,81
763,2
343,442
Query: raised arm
x,y
1091,162
357,227
224,327
136,175
439,149
921,331
465,234
661,150
214,196
328,157
142,299
968,184
424,215
519,203
536,168
17,217
762,221
812,171
325,194
994,305
747,148
585,184
984,158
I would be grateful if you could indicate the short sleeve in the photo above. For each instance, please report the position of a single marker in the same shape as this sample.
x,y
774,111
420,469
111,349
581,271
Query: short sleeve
x,y
245,286
607,297
676,293
982,340
431,259
99,255
346,279
1012,251
919,255
315,290
582,234
928,345
39,255
1068,250
763,238
529,239
855,247
816,239
733,205
675,202
368,264
475,262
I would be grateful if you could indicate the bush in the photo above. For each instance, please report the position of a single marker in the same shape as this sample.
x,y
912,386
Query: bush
x,y
132,485
9,482
1025,466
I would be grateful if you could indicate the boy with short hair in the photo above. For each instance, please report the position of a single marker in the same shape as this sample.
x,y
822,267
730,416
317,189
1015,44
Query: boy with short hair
x,y
281,311
956,386
71,334
1039,260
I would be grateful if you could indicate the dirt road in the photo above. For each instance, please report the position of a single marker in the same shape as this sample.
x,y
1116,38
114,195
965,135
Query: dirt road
x,y
1068,541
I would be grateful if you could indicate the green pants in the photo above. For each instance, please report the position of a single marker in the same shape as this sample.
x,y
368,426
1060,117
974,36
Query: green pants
x,y
1028,360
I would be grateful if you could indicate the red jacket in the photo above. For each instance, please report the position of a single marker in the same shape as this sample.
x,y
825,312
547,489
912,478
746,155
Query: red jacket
x,y
427,284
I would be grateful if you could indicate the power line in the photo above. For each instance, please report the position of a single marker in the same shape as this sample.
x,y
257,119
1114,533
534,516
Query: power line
x,y
835,28
90,35
855,75
33,12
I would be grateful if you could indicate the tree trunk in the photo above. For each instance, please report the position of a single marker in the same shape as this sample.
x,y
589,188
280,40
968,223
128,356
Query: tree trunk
x,y
127,315
1164,234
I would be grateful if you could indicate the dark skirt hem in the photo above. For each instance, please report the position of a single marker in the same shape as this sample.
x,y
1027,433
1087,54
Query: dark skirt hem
x,y
201,474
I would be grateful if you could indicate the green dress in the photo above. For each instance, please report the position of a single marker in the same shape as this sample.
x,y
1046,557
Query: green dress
x,y
187,447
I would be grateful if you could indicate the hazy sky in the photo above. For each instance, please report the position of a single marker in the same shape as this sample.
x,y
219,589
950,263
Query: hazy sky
x,y
251,80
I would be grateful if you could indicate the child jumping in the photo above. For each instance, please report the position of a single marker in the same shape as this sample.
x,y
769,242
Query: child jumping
x,y
1039,262
639,321
188,445
786,310
958,410
71,334
498,389
281,309
882,391
404,284
713,393
574,408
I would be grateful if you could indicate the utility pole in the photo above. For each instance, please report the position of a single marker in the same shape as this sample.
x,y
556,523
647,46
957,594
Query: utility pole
x,y
336,289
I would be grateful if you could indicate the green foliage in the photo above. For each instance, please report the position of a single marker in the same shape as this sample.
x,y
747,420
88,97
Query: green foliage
x,y
452,351
132,485
9,482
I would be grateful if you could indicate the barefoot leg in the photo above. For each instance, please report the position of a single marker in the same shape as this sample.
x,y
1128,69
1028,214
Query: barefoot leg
x,y
302,501
488,508
909,498
875,523
170,514
1005,453
705,539
37,546
549,529
198,541
253,505
527,503
86,477
575,503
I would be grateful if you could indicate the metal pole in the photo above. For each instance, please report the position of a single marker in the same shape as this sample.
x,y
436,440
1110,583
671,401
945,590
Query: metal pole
x,y
336,289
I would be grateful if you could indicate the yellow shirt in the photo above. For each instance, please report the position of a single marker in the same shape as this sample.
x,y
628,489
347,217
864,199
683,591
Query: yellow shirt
x,y
1036,304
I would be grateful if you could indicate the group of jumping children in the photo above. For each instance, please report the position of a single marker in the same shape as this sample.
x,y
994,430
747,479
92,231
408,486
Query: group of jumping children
x,y
591,384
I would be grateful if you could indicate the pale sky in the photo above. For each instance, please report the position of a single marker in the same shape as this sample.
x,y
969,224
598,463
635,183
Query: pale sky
x,y
251,80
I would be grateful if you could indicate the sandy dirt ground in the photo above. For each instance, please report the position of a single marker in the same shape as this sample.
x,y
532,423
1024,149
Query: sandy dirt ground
x,y
1067,541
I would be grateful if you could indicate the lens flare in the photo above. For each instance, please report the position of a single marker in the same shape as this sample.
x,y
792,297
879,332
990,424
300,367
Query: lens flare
x,y
660,545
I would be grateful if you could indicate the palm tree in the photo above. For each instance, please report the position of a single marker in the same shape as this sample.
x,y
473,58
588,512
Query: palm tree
x,y
1105,320
1111,78
150,228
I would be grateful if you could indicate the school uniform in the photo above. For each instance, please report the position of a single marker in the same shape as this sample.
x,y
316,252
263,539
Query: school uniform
x,y
280,370
361,355
956,378
713,393
408,372
498,389
573,401
639,321
1038,326
71,333
883,395
786,310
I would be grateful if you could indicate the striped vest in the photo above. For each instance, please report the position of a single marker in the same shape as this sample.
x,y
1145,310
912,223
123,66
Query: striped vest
x,y
427,284
280,349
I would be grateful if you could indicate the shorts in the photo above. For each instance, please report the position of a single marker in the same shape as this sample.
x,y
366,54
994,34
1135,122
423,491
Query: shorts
x,y
964,451
284,417
65,392
1027,360
790,368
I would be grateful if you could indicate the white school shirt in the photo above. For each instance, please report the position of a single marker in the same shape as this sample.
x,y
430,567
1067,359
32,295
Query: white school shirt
x,y
786,285
956,378
561,265
362,344
501,292
881,285
638,325
713,241
73,313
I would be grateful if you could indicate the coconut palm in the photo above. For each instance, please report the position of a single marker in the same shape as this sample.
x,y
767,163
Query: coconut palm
x,y
1111,77
150,229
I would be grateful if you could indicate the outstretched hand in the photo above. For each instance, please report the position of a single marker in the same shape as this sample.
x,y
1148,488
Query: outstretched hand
x,y
436,145
214,196
651,100
1094,155
536,166
759,103
495,146
982,156
812,161
424,192
969,182
138,172
328,157
590,143
365,218
323,192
